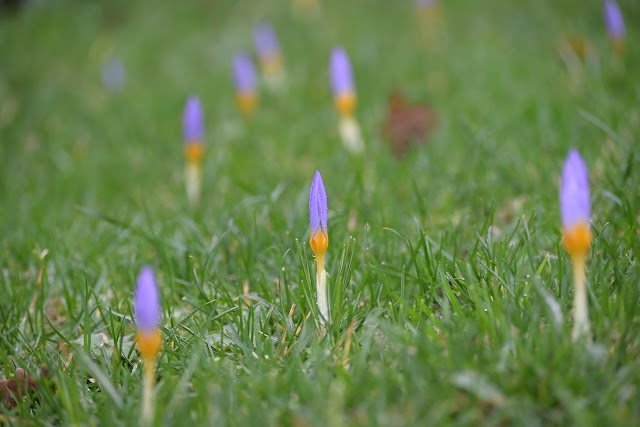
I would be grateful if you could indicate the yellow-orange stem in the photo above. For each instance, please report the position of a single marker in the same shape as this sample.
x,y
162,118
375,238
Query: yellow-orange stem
x,y
577,239
319,241
194,151
149,344
345,103
271,64
618,44
246,102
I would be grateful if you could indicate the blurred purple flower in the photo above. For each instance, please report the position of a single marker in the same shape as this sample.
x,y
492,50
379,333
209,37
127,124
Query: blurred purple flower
x,y
575,205
113,74
340,73
147,302
193,120
613,19
266,41
318,213
244,75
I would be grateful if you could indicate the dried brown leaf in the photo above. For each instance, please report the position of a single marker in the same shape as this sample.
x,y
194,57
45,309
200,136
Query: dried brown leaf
x,y
407,124
13,389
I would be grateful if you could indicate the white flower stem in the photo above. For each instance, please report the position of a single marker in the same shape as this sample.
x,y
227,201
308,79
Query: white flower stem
x,y
147,391
322,290
581,310
350,133
193,179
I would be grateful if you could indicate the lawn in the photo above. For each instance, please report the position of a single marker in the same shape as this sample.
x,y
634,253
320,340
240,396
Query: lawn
x,y
451,293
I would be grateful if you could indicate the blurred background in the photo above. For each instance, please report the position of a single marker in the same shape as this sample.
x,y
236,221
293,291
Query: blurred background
x,y
91,97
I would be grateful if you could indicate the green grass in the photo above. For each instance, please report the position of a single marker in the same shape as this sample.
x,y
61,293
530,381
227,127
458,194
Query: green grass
x,y
451,293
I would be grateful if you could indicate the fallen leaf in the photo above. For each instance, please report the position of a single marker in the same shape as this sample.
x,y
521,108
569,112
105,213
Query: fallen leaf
x,y
407,124
21,386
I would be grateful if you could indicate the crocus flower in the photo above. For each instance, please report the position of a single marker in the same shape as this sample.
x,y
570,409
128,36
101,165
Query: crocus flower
x,y
341,78
147,314
576,213
318,215
244,77
267,47
613,20
193,129
575,205
319,240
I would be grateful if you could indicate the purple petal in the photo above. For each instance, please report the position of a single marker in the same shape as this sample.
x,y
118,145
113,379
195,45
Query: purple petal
x,y
265,40
244,75
575,204
193,120
114,75
318,212
613,19
340,72
147,302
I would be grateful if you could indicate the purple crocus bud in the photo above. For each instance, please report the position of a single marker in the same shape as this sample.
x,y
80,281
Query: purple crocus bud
x,y
244,75
193,120
574,193
318,216
613,20
147,302
575,205
266,41
340,73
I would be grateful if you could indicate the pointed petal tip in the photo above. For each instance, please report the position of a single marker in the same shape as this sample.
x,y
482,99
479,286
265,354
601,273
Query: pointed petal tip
x,y
575,160
147,268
